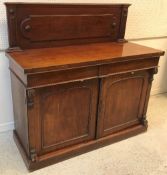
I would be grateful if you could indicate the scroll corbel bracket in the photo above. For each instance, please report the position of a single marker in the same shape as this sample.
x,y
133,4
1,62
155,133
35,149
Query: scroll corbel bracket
x,y
25,28
122,27
30,97
13,49
33,155
122,41
153,71
151,79
144,121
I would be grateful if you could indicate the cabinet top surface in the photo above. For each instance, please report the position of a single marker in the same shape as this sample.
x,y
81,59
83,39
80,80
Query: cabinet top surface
x,y
57,58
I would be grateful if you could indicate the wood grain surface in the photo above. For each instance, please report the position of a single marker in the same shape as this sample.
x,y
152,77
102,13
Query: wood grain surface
x,y
45,59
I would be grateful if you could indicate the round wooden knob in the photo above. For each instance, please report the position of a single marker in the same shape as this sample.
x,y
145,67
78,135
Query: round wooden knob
x,y
114,24
27,28
11,11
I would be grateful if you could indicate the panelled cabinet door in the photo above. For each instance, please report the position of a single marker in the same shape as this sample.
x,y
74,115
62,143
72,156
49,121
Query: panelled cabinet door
x,y
122,101
67,114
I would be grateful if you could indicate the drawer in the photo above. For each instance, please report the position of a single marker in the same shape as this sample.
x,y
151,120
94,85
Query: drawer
x,y
123,67
63,76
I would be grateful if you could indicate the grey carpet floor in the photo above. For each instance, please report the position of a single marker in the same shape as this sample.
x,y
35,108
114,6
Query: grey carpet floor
x,y
145,154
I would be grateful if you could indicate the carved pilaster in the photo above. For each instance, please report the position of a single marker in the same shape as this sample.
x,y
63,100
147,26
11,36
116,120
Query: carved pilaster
x,y
30,97
11,15
33,155
144,121
152,72
155,70
122,41
13,49
151,78
123,24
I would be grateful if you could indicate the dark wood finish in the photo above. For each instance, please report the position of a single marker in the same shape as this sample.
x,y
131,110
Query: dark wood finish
x,y
64,118
124,14
78,149
72,99
127,66
121,105
51,78
20,112
64,24
68,57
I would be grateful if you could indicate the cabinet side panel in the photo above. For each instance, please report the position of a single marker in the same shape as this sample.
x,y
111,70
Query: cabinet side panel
x,y
20,111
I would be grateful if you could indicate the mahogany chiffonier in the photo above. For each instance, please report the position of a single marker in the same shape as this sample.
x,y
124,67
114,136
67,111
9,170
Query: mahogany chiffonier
x,y
77,84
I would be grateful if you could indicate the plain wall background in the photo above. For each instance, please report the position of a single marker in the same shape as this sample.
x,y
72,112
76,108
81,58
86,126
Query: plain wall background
x,y
146,25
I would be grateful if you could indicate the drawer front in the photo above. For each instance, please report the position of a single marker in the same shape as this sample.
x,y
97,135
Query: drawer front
x,y
80,74
63,76
127,66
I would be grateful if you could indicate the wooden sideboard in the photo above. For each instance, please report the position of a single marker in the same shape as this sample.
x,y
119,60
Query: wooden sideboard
x,y
77,84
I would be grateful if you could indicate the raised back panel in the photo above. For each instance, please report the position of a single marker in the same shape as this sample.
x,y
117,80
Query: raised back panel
x,y
50,25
